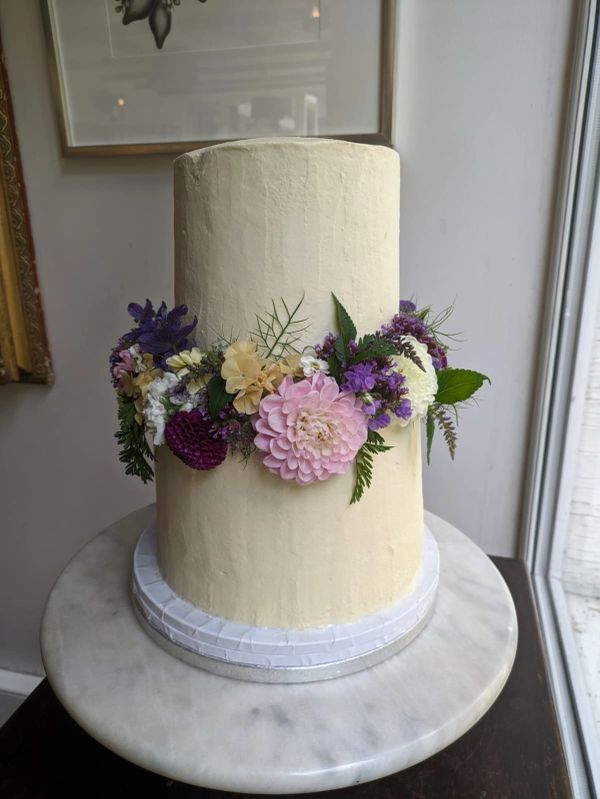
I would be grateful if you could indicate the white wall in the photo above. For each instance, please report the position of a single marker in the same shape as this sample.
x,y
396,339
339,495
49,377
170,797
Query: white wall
x,y
480,95
479,100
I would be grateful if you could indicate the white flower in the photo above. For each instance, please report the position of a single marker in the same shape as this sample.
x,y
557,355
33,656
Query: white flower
x,y
160,385
136,357
311,365
155,412
422,385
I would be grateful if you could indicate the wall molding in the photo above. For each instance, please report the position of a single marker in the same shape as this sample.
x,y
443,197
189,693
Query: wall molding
x,y
18,683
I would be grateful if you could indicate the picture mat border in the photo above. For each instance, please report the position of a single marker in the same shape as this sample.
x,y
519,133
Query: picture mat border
x,y
383,136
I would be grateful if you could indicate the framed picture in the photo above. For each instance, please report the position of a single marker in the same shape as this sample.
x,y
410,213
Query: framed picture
x,y
145,76
24,353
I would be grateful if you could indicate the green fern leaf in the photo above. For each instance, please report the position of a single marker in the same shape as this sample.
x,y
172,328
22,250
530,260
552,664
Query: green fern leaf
x,y
134,450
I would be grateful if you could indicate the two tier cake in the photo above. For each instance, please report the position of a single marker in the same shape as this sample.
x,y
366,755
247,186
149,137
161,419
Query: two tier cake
x,y
290,541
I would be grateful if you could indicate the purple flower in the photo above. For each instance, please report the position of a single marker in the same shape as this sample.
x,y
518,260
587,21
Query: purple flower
x,y
382,389
140,314
359,378
188,437
327,346
408,323
379,421
371,406
404,410
161,332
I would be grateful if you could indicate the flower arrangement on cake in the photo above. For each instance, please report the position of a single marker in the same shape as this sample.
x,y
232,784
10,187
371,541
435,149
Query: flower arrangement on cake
x,y
309,412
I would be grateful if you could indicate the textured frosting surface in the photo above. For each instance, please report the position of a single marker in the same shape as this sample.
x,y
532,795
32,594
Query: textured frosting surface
x,y
280,218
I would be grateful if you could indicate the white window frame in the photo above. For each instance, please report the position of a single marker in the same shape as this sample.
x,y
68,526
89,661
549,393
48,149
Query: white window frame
x,y
567,332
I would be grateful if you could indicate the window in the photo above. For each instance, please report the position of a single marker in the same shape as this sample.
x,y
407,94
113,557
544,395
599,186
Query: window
x,y
562,522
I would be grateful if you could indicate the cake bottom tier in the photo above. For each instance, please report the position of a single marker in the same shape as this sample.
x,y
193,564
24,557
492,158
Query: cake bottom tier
x,y
271,654
241,543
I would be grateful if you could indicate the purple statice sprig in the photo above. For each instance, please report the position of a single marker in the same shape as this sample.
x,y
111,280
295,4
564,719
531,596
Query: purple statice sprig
x,y
421,325
159,332
382,390
229,425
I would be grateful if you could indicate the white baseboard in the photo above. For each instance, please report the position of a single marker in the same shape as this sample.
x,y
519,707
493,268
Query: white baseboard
x,y
17,682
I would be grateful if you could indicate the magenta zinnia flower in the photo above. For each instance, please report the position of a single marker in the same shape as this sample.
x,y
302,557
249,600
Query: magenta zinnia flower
x,y
309,430
188,436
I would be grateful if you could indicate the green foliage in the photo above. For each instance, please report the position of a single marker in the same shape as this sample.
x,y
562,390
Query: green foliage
x,y
346,326
437,323
370,347
134,450
430,430
217,396
364,463
334,368
405,348
279,330
439,415
457,385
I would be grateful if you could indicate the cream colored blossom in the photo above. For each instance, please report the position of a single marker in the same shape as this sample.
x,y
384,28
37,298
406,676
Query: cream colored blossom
x,y
248,376
185,362
239,347
422,385
290,365
137,387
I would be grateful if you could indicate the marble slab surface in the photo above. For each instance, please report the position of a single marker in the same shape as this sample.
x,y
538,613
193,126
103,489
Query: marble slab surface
x,y
204,729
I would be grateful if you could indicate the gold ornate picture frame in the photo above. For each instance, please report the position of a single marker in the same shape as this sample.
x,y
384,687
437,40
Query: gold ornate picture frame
x,y
24,354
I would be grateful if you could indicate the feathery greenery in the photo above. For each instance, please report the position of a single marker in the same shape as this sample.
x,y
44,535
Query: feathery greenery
x,y
364,463
440,415
134,450
279,330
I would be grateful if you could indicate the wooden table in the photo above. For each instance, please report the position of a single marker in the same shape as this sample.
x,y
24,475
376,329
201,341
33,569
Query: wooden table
x,y
514,751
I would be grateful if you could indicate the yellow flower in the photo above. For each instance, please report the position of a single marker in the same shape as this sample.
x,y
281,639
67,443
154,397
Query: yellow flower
x,y
137,387
184,362
248,376
147,362
248,400
239,347
291,365
240,367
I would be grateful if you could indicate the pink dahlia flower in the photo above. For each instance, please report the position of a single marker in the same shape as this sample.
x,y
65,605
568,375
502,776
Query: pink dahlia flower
x,y
309,430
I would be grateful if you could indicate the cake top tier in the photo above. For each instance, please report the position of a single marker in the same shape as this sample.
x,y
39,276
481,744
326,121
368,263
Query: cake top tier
x,y
265,219
293,144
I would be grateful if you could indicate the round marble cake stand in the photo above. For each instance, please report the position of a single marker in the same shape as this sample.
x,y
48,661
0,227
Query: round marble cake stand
x,y
204,729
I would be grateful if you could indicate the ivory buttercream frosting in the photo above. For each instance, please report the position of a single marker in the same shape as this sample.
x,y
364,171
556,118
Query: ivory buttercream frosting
x,y
289,218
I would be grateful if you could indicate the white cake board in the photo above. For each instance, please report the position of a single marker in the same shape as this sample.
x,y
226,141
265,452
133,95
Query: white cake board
x,y
271,654
208,730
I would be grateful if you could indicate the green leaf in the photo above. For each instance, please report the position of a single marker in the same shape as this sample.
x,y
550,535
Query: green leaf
x,y
341,352
371,346
377,442
217,396
347,328
458,385
444,421
334,368
134,450
430,430
374,444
